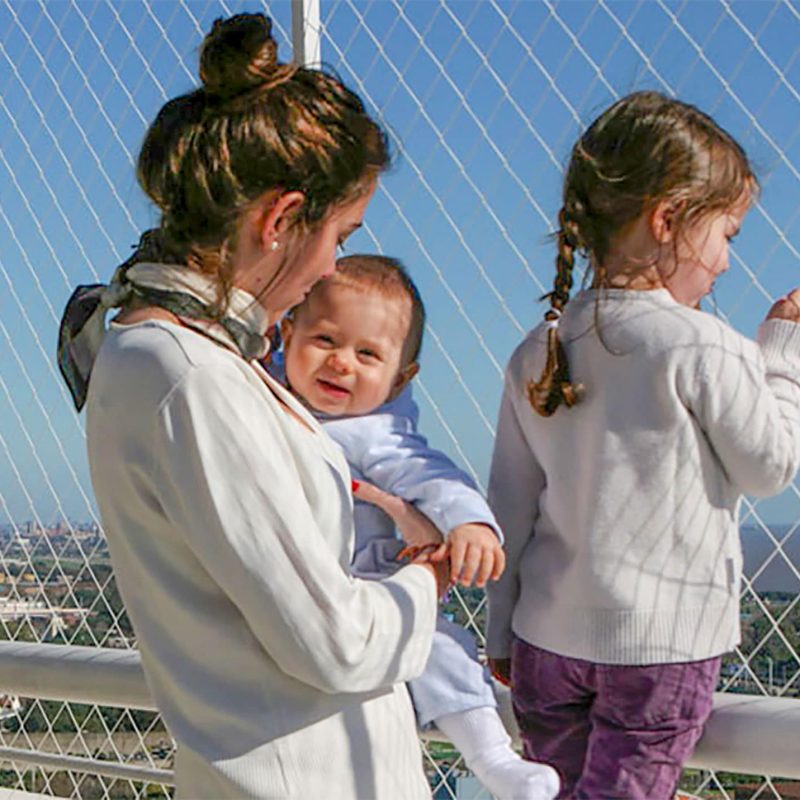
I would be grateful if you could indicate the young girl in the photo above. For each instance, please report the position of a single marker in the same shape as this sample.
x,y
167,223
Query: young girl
x,y
631,424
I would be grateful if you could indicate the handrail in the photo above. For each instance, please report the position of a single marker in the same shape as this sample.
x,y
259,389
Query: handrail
x,y
93,766
99,675
746,733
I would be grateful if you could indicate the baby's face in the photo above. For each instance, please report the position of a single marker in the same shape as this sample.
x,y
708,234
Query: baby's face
x,y
344,349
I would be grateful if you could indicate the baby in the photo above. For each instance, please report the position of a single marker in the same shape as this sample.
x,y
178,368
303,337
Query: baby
x,y
350,351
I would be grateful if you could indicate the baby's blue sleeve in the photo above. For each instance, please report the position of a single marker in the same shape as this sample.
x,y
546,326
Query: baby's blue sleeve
x,y
386,449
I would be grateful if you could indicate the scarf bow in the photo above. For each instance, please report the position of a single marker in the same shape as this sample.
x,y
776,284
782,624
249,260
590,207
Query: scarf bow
x,y
181,290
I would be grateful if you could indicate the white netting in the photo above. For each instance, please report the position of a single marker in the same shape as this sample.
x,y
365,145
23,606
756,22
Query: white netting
x,y
483,100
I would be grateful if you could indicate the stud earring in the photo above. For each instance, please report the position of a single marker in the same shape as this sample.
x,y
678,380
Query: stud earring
x,y
274,245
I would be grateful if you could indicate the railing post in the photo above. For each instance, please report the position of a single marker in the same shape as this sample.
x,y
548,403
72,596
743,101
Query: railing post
x,y
306,33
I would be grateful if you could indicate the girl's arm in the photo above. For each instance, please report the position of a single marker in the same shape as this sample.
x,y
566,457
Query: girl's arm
x,y
746,399
515,483
231,480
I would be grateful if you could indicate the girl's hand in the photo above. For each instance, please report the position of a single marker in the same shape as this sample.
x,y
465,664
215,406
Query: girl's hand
x,y
475,554
501,670
787,307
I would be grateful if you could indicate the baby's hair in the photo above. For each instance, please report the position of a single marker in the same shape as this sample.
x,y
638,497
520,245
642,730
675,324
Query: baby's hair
x,y
644,149
389,278
253,126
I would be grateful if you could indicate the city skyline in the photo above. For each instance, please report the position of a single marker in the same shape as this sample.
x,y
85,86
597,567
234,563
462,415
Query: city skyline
x,y
482,100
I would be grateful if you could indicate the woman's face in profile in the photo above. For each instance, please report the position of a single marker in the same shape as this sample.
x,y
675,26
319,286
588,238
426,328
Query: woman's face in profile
x,y
304,257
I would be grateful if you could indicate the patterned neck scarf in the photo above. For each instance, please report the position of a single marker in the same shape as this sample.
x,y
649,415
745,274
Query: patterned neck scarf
x,y
186,293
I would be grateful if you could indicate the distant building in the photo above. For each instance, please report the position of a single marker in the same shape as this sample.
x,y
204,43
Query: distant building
x,y
786,790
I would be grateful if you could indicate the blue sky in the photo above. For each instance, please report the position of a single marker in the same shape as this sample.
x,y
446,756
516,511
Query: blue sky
x,y
483,100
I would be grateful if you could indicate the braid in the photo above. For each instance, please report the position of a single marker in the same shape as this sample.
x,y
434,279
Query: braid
x,y
555,387
646,147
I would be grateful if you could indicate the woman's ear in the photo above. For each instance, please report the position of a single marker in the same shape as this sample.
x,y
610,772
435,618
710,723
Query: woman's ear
x,y
277,216
663,217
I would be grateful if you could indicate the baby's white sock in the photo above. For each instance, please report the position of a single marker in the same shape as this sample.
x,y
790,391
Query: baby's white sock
x,y
485,745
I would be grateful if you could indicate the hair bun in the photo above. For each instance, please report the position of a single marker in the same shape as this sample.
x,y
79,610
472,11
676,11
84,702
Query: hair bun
x,y
239,53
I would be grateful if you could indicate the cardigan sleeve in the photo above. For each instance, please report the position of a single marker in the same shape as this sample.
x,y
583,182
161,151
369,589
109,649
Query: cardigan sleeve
x,y
398,459
515,482
231,482
747,401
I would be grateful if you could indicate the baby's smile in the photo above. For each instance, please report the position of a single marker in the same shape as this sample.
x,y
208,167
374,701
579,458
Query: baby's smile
x,y
333,389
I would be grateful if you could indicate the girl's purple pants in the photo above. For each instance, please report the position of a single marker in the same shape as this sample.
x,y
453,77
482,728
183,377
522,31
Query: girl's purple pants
x,y
611,731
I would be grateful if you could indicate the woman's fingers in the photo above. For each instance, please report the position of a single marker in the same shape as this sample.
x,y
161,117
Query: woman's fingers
x,y
417,552
418,555
441,553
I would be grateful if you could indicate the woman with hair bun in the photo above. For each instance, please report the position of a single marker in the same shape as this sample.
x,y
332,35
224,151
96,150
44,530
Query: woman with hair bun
x,y
227,509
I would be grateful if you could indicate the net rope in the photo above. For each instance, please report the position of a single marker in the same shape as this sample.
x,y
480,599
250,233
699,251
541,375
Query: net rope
x,y
482,101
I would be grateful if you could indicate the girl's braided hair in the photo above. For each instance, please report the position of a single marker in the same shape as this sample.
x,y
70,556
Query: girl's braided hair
x,y
644,149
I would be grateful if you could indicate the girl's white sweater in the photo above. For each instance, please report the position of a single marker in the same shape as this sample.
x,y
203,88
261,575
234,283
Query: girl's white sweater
x,y
620,514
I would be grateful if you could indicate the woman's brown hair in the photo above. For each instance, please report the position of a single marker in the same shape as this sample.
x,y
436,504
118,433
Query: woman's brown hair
x,y
254,125
644,149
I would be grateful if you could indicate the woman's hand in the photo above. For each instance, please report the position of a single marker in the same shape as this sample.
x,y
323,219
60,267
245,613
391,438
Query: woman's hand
x,y
440,571
415,528
424,545
501,670
787,308
475,554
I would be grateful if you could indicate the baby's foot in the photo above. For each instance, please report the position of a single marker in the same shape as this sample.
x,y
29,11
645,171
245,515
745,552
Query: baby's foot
x,y
509,777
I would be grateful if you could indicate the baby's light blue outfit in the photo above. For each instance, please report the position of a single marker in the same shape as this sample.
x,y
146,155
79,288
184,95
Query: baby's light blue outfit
x,y
384,448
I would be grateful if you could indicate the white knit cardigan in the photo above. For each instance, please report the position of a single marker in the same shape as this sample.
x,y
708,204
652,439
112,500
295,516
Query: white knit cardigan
x,y
230,528
620,514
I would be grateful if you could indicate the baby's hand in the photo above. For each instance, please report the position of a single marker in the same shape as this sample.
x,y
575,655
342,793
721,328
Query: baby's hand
x,y
475,554
787,307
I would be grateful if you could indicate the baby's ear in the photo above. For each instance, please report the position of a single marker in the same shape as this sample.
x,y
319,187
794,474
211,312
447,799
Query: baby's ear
x,y
404,377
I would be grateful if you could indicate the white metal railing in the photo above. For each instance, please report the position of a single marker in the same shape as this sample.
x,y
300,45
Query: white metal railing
x,y
746,734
